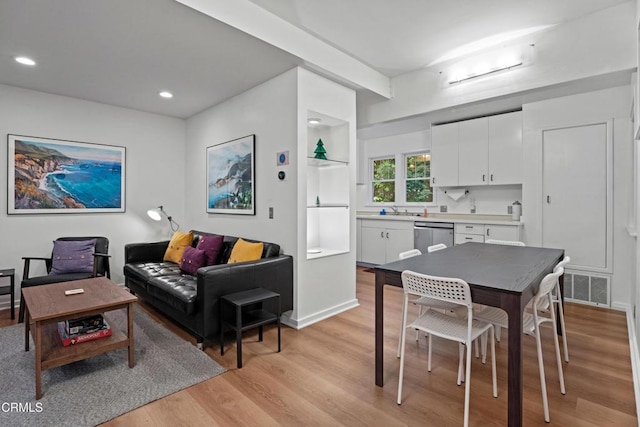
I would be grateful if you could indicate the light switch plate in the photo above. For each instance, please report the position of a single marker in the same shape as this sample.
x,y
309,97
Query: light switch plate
x,y
443,208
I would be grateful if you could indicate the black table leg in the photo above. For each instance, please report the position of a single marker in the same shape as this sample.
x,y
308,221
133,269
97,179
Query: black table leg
x,y
239,335
512,304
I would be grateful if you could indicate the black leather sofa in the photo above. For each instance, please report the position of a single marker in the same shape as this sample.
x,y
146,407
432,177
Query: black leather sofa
x,y
193,301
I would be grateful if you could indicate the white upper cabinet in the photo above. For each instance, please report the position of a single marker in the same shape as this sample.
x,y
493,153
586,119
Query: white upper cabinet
x,y
473,152
505,148
444,148
483,151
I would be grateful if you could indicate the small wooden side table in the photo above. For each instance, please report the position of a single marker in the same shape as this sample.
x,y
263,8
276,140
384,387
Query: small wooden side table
x,y
11,288
249,314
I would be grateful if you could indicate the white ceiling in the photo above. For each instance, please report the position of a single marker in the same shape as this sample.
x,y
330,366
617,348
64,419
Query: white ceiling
x,y
123,52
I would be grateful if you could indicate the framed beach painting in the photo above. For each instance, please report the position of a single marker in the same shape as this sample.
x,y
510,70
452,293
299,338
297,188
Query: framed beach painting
x,y
57,176
230,177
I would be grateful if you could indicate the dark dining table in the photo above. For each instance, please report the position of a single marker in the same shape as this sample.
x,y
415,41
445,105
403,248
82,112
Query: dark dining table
x,y
498,275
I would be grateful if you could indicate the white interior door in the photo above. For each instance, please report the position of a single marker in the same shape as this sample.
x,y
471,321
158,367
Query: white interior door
x,y
575,185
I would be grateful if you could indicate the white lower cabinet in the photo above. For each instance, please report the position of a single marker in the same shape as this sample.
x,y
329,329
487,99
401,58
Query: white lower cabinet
x,y
381,241
480,232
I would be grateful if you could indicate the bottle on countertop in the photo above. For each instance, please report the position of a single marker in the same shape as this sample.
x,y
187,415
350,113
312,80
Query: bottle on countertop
x,y
424,214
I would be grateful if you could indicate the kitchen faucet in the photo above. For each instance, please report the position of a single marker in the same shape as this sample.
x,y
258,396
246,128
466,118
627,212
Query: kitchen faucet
x,y
395,209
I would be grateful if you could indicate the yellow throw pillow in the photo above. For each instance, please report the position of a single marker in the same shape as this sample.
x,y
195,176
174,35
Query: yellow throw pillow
x,y
178,243
245,251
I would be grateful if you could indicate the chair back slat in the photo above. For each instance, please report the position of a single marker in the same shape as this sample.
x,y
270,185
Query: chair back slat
x,y
566,260
410,253
442,288
437,247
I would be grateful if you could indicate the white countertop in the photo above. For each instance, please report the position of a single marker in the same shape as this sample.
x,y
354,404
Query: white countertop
x,y
440,217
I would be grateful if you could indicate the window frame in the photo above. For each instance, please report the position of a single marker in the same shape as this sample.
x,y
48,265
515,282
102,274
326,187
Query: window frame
x,y
405,179
400,180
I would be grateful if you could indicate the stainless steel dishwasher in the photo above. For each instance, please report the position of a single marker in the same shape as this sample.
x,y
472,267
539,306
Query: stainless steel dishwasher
x,y
427,233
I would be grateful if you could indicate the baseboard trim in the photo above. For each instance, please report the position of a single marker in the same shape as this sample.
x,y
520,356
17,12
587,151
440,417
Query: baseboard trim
x,y
317,317
635,357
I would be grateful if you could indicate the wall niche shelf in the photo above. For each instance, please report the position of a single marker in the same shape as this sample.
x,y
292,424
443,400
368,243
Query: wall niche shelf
x,y
327,223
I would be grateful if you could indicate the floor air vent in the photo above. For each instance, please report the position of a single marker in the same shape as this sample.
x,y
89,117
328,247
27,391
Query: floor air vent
x,y
587,288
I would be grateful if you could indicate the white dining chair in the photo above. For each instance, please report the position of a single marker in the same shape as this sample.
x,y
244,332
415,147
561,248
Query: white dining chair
x,y
462,330
531,326
504,242
425,302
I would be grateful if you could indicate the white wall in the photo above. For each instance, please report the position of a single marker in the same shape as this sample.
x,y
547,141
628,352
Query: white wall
x,y
488,200
154,176
269,112
592,45
611,104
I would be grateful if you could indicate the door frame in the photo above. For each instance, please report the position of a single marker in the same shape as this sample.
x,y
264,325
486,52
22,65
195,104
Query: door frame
x,y
609,189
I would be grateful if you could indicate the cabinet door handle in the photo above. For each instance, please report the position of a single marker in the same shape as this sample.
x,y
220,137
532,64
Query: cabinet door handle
x,y
548,199
382,234
433,179
487,231
483,176
491,178
468,226
468,238
387,234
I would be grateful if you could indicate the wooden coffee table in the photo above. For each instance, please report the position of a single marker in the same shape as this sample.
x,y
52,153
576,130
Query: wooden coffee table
x,y
47,305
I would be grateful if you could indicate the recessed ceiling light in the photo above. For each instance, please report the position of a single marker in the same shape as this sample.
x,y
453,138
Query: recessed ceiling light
x,y
166,94
25,61
314,121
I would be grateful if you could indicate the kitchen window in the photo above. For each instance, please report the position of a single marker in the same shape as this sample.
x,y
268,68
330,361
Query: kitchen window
x,y
383,180
418,178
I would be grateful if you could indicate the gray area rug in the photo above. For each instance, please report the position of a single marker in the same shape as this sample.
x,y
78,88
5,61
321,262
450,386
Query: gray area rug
x,y
100,388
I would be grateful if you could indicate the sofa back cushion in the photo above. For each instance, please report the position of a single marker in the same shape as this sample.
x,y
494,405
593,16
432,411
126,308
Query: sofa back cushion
x,y
268,249
192,260
245,251
212,245
178,243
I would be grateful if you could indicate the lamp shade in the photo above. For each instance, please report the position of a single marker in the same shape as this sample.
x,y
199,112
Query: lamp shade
x,y
154,214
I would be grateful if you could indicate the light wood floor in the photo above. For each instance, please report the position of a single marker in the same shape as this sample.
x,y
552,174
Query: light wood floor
x,y
325,376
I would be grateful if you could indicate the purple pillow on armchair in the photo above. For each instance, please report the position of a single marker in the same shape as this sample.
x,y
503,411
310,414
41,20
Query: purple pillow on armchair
x,y
212,245
72,256
192,260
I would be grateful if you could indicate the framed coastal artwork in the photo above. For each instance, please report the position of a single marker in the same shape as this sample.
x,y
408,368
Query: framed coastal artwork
x,y
230,177
57,176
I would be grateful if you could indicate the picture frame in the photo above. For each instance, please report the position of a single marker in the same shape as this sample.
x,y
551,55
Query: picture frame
x,y
46,175
231,177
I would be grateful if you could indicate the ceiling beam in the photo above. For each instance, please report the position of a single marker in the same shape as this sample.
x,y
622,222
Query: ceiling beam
x,y
262,24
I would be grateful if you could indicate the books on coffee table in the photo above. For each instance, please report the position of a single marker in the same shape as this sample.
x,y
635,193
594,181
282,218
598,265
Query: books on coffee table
x,y
87,334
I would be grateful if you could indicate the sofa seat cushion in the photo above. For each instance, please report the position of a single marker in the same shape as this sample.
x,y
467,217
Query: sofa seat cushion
x,y
178,291
144,271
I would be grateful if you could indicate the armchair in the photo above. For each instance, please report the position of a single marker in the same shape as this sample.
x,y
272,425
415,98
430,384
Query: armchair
x,y
100,263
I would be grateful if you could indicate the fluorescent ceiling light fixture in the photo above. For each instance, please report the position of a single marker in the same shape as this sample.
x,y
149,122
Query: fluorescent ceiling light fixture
x,y
487,42
459,79
25,61
314,121
166,94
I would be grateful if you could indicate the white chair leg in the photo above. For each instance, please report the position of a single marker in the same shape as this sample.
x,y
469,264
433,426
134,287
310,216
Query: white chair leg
x,y
557,346
565,347
498,330
494,375
543,383
402,338
402,327
467,388
483,340
419,314
475,346
460,359
429,357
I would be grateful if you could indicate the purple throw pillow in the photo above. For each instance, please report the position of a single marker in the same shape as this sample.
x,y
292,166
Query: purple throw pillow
x,y
72,256
192,260
212,246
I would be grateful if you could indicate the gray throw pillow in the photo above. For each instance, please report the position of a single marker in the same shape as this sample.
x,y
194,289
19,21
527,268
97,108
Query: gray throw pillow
x,y
72,256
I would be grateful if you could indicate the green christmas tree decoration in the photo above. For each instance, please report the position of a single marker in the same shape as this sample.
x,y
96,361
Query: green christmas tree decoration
x,y
320,151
